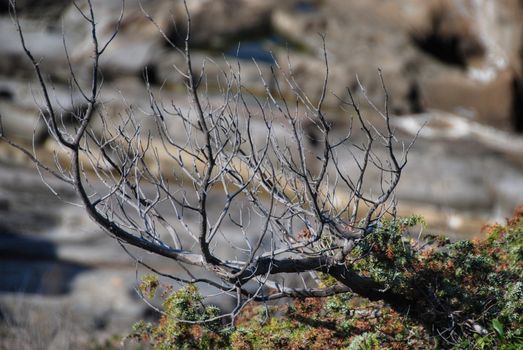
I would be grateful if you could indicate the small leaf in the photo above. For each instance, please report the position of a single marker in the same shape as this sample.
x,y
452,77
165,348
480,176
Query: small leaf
x,y
498,326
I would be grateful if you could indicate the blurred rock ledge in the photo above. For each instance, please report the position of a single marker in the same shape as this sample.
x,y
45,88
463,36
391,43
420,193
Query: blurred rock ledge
x,y
462,57
456,65
456,193
65,283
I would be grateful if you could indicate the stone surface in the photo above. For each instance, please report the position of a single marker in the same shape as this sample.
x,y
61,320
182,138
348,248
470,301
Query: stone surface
x,y
136,41
508,192
23,107
489,102
99,305
466,168
451,55
45,45
216,23
165,66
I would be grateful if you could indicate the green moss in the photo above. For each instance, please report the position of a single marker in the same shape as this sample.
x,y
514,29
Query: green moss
x,y
452,286
149,285
365,341
187,323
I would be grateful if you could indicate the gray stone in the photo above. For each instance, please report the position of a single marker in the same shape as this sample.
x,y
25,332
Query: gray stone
x,y
219,70
440,54
215,23
509,193
45,45
130,50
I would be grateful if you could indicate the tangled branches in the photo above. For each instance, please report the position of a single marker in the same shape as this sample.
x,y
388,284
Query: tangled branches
x,y
274,186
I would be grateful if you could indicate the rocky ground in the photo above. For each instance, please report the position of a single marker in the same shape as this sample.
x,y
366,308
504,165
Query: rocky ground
x,y
453,66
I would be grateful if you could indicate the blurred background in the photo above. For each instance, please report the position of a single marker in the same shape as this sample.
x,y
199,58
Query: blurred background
x,y
452,66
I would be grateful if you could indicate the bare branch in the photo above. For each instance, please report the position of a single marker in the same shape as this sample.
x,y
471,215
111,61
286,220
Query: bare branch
x,y
244,187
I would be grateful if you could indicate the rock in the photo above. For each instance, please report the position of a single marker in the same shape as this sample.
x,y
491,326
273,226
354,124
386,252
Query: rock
x,y
292,26
25,246
138,39
213,24
35,322
100,305
32,207
22,124
359,41
461,187
29,94
294,68
36,8
23,106
4,204
452,90
470,50
108,296
449,33
437,125
37,276
459,173
509,193
45,45
471,44
216,67
132,47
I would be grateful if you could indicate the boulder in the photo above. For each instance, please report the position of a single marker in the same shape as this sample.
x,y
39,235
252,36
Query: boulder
x,y
509,193
23,107
22,124
359,41
489,102
36,8
131,48
217,23
45,45
101,303
164,65
462,187
437,54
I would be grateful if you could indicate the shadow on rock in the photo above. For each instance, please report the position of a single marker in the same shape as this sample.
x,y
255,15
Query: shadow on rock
x,y
31,265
